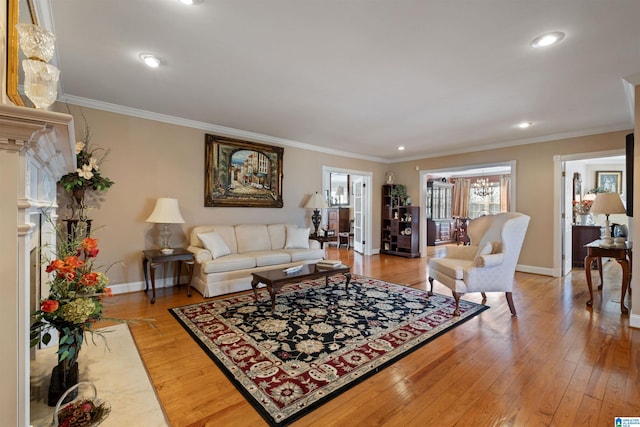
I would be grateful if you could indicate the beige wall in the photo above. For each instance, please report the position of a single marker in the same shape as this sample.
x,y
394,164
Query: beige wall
x,y
149,159
534,182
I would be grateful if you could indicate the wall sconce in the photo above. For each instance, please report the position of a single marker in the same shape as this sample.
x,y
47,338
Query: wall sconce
x,y
316,202
166,212
40,78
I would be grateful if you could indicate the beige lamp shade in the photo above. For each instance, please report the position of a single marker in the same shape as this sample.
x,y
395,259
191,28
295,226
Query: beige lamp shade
x,y
316,202
607,204
166,212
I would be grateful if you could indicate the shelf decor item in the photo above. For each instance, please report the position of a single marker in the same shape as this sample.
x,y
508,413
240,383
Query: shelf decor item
x,y
40,77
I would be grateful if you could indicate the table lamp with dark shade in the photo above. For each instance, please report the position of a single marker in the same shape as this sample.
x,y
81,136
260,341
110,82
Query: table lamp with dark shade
x,y
166,212
316,202
607,204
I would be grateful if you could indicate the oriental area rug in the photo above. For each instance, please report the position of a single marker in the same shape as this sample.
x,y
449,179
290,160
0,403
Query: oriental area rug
x,y
319,341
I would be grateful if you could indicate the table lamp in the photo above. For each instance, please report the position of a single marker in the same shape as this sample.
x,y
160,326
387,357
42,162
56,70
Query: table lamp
x,y
607,204
316,202
166,212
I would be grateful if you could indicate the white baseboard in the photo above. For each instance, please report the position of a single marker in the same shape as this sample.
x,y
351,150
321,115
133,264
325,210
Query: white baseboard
x,y
634,320
124,288
536,270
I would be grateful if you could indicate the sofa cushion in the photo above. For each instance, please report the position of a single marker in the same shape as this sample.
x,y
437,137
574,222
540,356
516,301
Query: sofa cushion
x,y
269,258
278,235
214,243
229,263
297,238
304,254
252,238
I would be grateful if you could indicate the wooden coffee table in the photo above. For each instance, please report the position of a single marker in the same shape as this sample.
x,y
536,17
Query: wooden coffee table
x,y
275,279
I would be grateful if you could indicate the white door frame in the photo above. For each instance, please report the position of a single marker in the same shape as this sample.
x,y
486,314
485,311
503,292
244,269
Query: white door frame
x,y
367,207
560,235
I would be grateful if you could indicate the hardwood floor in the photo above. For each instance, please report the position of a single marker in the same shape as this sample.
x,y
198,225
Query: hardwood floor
x,y
557,363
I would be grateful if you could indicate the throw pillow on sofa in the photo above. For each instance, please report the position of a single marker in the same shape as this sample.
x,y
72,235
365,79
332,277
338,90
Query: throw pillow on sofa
x,y
297,238
214,243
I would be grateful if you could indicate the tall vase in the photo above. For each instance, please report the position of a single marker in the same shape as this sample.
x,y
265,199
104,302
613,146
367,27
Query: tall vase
x,y
65,374
78,204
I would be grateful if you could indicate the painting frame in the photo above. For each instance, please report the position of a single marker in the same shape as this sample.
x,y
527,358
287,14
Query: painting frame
x,y
230,177
610,181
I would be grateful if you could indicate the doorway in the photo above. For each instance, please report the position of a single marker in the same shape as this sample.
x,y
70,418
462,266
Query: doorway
x,y
462,171
357,191
583,169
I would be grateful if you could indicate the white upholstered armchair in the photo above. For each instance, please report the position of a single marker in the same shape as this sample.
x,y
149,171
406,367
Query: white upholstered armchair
x,y
489,263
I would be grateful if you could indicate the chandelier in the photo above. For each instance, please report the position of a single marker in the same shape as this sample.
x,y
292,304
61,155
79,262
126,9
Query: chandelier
x,y
482,187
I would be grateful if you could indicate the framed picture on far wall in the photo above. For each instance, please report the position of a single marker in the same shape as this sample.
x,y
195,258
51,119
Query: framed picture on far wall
x,y
610,181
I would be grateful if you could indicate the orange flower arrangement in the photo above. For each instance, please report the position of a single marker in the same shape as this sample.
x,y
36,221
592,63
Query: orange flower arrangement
x,y
74,303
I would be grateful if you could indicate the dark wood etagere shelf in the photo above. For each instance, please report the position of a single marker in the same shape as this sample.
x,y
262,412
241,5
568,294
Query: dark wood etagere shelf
x,y
400,226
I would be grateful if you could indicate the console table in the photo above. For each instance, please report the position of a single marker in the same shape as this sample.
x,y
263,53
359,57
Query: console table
x,y
596,250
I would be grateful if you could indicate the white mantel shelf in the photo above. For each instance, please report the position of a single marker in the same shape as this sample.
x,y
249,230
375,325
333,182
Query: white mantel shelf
x,y
37,147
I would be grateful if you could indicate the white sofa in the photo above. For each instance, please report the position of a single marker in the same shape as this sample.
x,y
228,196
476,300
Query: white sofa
x,y
226,255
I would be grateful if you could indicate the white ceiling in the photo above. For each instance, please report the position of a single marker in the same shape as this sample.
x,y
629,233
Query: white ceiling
x,y
359,76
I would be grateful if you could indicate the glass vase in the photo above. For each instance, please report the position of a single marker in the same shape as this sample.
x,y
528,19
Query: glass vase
x,y
36,42
40,82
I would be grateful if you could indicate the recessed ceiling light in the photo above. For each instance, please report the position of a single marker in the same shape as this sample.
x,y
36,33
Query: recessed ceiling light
x,y
190,2
150,60
547,39
400,148
524,125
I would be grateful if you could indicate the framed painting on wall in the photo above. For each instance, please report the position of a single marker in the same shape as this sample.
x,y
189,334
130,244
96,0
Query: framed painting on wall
x,y
241,173
610,181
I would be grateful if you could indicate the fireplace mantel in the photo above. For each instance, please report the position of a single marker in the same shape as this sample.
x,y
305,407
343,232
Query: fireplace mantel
x,y
37,147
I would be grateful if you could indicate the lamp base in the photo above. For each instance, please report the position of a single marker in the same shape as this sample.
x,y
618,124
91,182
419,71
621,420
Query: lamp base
x,y
166,251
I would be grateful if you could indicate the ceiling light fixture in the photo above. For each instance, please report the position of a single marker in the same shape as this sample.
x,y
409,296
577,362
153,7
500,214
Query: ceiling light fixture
x,y
190,2
524,125
400,148
150,60
547,39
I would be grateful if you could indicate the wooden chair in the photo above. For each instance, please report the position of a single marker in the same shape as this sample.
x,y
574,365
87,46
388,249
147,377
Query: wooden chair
x,y
346,237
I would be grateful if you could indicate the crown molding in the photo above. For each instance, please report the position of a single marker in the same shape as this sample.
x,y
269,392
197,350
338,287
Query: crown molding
x,y
535,140
217,129
257,137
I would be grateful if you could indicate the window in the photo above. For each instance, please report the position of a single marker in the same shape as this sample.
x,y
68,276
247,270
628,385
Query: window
x,y
485,205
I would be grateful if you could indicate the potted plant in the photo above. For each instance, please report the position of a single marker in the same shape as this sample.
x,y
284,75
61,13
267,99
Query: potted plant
x,y
399,192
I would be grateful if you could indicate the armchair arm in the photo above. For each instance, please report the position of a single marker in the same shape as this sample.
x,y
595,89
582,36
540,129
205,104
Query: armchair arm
x,y
489,260
461,252
200,254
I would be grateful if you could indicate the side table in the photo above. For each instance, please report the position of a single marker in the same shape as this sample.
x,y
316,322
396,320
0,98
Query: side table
x,y
596,250
153,258
323,239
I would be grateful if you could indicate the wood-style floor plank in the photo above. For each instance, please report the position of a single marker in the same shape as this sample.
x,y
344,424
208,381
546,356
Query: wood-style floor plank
x,y
557,363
